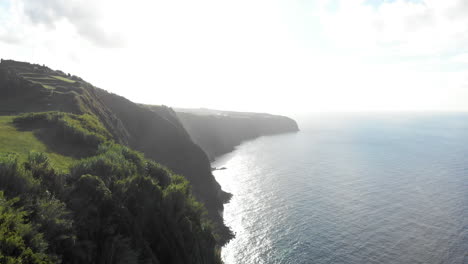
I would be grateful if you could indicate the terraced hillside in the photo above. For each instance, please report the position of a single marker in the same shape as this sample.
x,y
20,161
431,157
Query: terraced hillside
x,y
33,88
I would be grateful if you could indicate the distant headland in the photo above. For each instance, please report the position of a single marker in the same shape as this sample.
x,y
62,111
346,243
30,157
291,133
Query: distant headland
x,y
219,132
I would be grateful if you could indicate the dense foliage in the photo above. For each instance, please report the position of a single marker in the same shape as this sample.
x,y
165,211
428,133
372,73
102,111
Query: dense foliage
x,y
114,207
20,242
156,132
78,129
96,118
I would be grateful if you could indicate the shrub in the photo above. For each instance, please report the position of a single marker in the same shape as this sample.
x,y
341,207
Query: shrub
x,y
110,165
158,172
115,207
20,242
77,129
14,179
39,165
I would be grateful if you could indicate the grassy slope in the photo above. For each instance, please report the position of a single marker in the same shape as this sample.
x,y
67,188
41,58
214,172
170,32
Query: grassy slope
x,y
21,142
47,81
63,79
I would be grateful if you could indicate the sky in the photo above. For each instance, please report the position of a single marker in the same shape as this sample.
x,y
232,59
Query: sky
x,y
278,56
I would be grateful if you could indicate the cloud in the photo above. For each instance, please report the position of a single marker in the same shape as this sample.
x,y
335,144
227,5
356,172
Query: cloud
x,y
460,58
9,30
48,11
10,38
84,15
457,10
329,54
399,28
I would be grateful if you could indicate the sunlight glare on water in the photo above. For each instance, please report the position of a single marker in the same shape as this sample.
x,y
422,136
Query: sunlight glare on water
x,y
351,189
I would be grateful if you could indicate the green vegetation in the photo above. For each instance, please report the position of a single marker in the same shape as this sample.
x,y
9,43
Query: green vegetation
x,y
37,77
46,86
50,87
22,142
84,130
44,77
115,207
47,81
63,79
84,197
20,242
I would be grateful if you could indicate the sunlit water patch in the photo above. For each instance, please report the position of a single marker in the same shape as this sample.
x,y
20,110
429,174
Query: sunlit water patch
x,y
351,189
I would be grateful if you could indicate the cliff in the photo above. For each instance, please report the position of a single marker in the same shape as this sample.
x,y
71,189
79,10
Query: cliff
x,y
156,132
218,132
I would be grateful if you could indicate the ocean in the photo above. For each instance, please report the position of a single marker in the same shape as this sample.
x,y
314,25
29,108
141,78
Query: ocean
x,y
351,188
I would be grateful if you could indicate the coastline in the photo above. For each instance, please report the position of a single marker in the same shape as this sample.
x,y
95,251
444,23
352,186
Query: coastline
x,y
227,156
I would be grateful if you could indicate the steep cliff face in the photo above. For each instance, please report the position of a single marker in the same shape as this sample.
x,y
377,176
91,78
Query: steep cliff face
x,y
218,132
157,132
154,131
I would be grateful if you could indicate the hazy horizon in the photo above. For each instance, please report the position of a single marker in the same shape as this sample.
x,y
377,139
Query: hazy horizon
x,y
280,57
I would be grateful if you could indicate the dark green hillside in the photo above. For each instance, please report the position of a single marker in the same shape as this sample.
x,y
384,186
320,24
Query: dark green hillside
x,y
218,132
114,207
157,133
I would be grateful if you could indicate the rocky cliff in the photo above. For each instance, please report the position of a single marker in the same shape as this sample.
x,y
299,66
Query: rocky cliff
x,y
218,132
156,132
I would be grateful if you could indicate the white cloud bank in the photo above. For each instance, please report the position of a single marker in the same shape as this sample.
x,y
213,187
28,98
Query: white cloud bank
x,y
277,55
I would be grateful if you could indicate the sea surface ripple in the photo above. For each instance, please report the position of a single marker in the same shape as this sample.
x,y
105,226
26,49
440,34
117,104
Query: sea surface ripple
x,y
388,188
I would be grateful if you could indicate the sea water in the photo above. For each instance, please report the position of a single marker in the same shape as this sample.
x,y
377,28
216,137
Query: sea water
x,y
362,188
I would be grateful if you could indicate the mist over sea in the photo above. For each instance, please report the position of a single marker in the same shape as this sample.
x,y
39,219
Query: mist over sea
x,y
362,188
